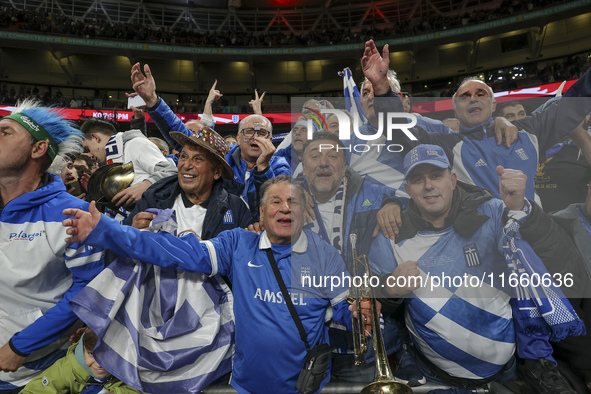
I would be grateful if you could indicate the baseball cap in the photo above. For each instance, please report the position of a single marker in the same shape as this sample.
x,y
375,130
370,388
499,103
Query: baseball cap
x,y
425,154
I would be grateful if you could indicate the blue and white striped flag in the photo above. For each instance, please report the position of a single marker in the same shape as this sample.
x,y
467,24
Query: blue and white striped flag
x,y
352,95
160,330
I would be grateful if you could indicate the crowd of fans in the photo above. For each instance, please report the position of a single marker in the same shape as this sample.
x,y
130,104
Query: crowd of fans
x,y
535,73
214,228
93,28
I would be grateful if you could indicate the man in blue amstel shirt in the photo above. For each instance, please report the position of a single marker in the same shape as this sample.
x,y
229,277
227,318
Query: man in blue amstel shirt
x,y
269,352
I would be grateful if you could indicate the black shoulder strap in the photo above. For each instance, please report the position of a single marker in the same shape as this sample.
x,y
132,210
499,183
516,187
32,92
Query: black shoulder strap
x,y
287,298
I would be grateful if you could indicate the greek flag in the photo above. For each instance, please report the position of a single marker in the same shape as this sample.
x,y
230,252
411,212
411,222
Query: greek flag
x,y
228,217
352,95
160,330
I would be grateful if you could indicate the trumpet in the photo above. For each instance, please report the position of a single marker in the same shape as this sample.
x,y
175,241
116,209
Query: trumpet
x,y
385,383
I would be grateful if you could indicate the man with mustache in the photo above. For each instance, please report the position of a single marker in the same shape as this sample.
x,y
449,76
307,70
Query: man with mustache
x,y
345,204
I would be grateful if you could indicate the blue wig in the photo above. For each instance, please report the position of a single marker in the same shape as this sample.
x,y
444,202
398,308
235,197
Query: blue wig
x,y
63,131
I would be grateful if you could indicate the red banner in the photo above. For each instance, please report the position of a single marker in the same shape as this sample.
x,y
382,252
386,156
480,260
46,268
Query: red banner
x,y
276,118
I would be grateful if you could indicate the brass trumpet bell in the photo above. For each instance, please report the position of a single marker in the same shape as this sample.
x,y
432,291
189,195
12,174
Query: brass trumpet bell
x,y
109,180
386,387
385,383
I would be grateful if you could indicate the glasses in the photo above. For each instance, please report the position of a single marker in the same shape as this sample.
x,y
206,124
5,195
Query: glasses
x,y
250,132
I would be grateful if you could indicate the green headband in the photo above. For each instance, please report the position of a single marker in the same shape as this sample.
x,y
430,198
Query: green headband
x,y
37,131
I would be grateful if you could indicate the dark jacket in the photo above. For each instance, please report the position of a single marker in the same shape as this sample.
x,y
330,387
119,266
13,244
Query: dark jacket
x,y
162,194
572,260
571,219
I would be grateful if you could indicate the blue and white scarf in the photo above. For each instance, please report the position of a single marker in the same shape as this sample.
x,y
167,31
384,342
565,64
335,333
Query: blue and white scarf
x,y
335,236
160,330
544,309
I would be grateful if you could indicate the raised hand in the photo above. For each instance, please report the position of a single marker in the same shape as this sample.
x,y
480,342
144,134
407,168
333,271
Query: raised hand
x,y
214,94
267,151
375,66
82,224
144,85
257,103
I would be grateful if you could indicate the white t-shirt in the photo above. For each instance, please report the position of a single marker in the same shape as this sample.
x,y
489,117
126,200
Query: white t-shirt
x,y
188,218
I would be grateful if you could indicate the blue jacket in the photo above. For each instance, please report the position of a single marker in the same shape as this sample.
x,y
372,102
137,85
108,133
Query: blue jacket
x,y
250,194
362,202
167,121
269,352
162,194
41,273
474,150
286,153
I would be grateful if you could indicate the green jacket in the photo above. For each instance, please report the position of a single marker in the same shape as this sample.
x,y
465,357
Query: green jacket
x,y
67,376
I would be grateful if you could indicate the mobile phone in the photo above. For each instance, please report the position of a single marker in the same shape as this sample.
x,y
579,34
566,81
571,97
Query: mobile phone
x,y
135,101
77,188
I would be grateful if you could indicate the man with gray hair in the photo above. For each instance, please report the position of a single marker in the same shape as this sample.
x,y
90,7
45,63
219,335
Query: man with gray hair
x,y
251,160
40,272
476,149
476,154
269,353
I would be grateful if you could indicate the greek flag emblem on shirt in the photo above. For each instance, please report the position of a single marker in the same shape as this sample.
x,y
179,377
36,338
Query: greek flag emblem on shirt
x,y
471,255
228,217
521,153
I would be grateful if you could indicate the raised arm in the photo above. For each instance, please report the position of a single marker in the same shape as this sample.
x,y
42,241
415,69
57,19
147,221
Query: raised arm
x,y
257,103
162,115
375,67
213,96
144,85
561,117
512,187
162,249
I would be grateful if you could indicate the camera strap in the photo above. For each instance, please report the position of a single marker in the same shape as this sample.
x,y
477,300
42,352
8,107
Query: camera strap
x,y
287,298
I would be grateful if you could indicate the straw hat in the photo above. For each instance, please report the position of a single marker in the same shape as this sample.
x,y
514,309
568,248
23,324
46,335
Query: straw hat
x,y
209,140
